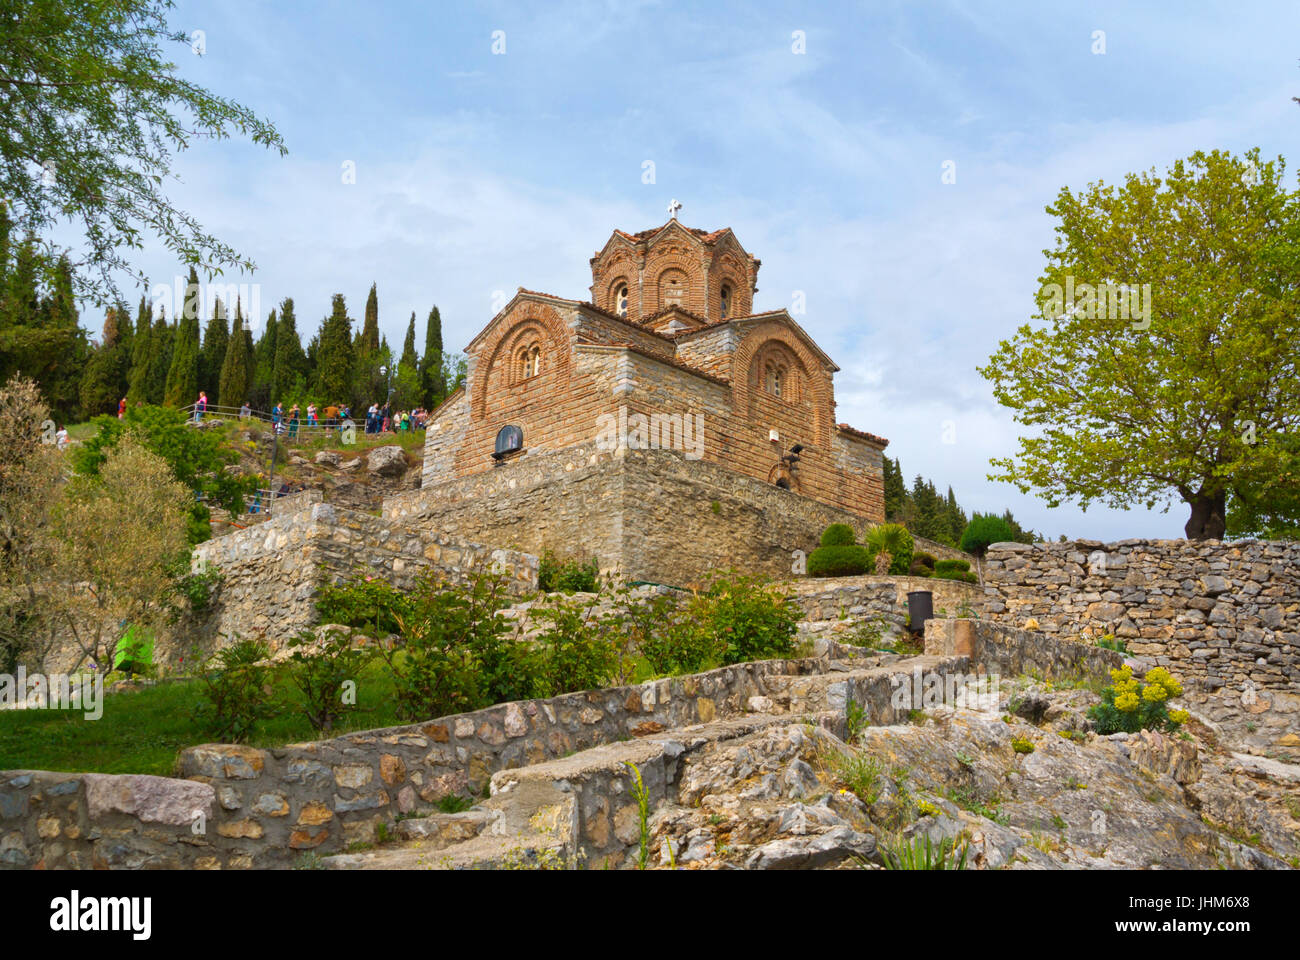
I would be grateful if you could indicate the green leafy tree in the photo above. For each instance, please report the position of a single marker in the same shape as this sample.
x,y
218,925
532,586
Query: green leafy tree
x,y
264,365
105,381
1171,373
159,363
196,458
983,531
216,344
91,114
370,328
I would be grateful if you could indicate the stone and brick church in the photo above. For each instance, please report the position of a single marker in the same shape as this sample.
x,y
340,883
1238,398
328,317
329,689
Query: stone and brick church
x,y
660,424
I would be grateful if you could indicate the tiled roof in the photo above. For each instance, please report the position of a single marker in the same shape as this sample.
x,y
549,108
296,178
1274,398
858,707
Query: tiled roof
x,y
707,236
855,432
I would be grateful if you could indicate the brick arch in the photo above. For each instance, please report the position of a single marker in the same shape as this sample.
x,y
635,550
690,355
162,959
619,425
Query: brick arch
x,y
674,258
622,274
532,320
621,259
815,388
729,270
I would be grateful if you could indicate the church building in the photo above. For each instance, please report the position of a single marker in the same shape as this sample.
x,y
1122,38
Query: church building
x,y
664,363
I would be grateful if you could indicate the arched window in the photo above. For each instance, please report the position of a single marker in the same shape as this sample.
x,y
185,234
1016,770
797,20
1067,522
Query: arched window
x,y
620,300
672,288
725,298
774,380
530,361
509,439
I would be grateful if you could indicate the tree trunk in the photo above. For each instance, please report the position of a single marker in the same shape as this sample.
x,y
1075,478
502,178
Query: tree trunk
x,y
1207,519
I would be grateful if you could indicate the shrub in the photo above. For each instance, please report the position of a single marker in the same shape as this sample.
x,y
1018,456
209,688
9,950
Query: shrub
x,y
455,654
1130,705
920,854
321,676
675,643
919,569
838,535
983,531
576,651
754,619
893,539
236,687
842,561
371,604
923,559
567,576
952,566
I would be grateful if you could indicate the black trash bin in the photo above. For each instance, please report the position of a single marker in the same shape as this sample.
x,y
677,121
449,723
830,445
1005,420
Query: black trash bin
x,y
920,608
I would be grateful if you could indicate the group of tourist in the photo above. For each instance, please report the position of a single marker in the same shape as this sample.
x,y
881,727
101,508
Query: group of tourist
x,y
379,418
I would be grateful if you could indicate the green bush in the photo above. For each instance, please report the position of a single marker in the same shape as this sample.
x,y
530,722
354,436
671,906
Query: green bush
x,y
983,531
894,539
669,640
322,675
567,576
753,618
455,653
838,535
236,688
844,561
370,604
1129,705
577,651
952,566
924,559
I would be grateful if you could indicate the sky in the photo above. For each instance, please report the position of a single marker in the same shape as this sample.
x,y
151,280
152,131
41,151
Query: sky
x,y
497,145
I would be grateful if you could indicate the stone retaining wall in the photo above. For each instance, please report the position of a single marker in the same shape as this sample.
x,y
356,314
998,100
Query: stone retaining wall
x,y
1223,616
272,572
883,598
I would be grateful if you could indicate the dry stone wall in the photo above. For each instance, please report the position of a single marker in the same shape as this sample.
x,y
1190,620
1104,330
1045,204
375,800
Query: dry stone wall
x,y
271,573
1223,616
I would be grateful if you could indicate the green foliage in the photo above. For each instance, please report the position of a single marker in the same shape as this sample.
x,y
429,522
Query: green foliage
x,y
433,378
1022,745
291,368
838,535
574,651
336,360
453,803
1129,705
567,576
216,343
89,85
848,561
891,538
1184,399
951,566
920,853
455,653
861,775
183,374
233,388
322,672
235,687
642,797
371,604
662,632
752,618
1110,643
196,457
983,531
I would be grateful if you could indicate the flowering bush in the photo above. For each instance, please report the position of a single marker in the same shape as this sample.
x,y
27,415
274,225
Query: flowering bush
x,y
1130,705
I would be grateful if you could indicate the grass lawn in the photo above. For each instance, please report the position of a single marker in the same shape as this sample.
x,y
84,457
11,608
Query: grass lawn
x,y
142,731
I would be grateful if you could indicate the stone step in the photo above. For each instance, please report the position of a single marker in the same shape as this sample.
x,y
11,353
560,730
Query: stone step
x,y
443,829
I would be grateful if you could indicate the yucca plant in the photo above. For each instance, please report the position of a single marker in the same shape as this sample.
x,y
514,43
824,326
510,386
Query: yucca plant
x,y
921,854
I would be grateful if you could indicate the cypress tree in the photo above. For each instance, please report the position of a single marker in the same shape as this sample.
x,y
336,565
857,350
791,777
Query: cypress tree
x,y
335,363
140,348
250,351
233,384
432,378
160,359
409,356
183,374
216,342
370,330
290,361
264,365
104,382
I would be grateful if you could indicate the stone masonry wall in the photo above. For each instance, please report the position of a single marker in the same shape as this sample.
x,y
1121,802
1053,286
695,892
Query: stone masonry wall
x,y
1223,616
649,514
271,573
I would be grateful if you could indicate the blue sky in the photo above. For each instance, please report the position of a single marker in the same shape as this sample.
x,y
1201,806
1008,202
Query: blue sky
x,y
477,173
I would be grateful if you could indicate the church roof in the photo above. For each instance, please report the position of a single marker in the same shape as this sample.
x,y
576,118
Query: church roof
x,y
855,432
